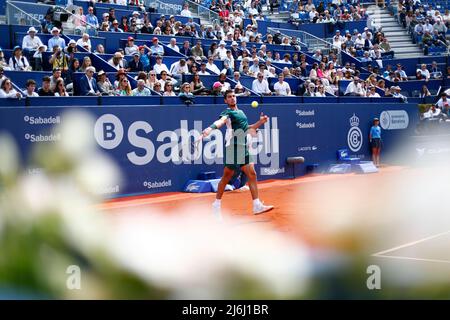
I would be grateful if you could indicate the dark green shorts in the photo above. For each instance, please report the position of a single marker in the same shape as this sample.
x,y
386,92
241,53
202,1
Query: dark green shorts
x,y
236,156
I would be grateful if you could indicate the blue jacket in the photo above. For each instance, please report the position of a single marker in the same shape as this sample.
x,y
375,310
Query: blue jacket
x,y
84,86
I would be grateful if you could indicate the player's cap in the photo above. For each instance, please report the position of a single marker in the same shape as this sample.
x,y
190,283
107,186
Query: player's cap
x,y
376,119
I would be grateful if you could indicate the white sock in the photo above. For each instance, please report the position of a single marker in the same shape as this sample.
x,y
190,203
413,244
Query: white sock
x,y
217,202
256,202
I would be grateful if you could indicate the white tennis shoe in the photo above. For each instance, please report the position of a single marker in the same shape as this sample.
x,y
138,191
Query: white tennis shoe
x,y
217,211
244,188
261,208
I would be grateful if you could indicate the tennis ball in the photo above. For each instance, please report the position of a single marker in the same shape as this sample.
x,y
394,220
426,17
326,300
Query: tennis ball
x,y
254,104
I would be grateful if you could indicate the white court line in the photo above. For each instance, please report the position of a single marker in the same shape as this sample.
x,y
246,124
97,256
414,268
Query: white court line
x,y
382,254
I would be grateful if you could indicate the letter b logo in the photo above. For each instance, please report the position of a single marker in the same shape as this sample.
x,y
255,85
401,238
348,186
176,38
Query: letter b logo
x,y
108,131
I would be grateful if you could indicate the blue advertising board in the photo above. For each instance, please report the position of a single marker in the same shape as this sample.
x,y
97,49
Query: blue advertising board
x,y
145,141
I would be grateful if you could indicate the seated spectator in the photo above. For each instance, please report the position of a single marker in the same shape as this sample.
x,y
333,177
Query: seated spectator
x,y
18,62
104,85
7,90
282,88
59,59
223,81
86,64
141,90
165,78
121,74
3,63
60,89
123,88
310,89
56,40
131,47
203,70
54,77
30,88
157,87
159,66
173,45
115,27
197,87
396,94
85,42
185,93
156,48
37,56
168,89
135,65
186,12
88,84
432,113
355,88
372,93
261,86
45,90
424,92
436,73
443,102
197,51
151,79
178,68
211,66
424,72
401,73
31,42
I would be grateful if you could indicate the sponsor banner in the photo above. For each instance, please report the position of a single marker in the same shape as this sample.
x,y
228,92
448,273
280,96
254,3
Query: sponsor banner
x,y
394,119
147,142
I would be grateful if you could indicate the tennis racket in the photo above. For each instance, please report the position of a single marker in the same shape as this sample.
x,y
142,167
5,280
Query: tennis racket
x,y
190,149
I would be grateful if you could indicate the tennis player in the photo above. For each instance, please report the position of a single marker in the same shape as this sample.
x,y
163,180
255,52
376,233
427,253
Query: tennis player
x,y
236,150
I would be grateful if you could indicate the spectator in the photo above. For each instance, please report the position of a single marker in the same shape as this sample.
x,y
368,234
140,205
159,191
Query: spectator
x,y
177,69
157,87
186,12
59,59
104,85
282,88
115,27
424,92
401,73
30,88
3,64
124,88
197,87
88,84
85,42
168,89
91,19
86,64
156,48
45,90
141,90
372,93
203,70
424,72
7,90
118,62
159,66
173,45
151,79
211,66
355,88
435,71
309,90
131,48
121,74
186,49
396,94
56,40
225,84
197,51
185,93
31,41
166,78
55,76
443,102
60,89
18,62
261,86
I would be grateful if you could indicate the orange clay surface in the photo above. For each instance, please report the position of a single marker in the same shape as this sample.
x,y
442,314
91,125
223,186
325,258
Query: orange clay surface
x,y
295,201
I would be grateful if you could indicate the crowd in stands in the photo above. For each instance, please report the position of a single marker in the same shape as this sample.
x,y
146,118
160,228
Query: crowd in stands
x,y
248,57
425,22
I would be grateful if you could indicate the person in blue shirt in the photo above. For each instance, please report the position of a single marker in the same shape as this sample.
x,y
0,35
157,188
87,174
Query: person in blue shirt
x,y
56,40
91,18
375,141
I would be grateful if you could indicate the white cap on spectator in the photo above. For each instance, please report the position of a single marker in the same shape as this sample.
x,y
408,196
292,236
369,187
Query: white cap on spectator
x,y
43,46
234,43
222,43
55,29
90,69
135,12
31,29
72,41
106,14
